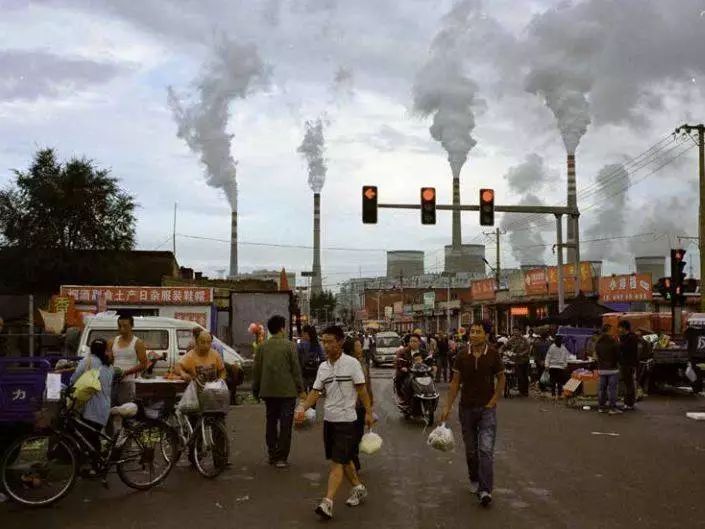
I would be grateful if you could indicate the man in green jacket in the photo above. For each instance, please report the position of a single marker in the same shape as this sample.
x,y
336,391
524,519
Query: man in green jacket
x,y
277,380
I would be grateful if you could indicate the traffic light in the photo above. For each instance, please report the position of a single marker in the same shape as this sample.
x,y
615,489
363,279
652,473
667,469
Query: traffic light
x,y
678,277
428,205
486,207
369,204
663,287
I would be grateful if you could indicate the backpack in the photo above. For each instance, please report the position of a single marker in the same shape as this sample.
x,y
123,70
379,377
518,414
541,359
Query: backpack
x,y
309,358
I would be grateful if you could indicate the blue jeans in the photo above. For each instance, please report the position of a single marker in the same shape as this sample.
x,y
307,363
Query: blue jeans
x,y
479,433
608,385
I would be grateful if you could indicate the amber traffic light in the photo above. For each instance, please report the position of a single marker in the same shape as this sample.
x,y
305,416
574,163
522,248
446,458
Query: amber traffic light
x,y
369,204
428,205
486,207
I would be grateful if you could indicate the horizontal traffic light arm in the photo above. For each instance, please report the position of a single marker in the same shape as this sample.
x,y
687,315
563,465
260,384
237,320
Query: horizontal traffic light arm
x,y
548,210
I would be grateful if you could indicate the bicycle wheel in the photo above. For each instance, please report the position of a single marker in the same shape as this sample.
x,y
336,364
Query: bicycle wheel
x,y
141,460
38,470
211,447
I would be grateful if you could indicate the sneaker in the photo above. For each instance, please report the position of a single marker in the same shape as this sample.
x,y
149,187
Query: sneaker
x,y
474,487
601,410
615,411
628,408
485,498
357,496
281,464
325,509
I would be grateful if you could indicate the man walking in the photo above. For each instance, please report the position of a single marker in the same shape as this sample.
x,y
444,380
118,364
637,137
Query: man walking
x,y
478,373
342,379
277,379
442,357
520,346
629,362
607,351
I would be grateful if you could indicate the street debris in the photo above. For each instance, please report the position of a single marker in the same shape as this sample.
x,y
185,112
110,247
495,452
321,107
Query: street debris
x,y
695,415
609,434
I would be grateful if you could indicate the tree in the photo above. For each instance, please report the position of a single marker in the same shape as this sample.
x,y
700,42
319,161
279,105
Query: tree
x,y
74,206
324,302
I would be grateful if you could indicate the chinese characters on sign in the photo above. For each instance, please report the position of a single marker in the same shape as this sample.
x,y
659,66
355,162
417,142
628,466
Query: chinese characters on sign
x,y
536,281
484,290
624,288
140,295
198,317
586,282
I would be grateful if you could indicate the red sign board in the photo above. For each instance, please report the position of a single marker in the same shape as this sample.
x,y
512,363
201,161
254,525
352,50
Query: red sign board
x,y
586,282
536,281
484,289
199,317
139,295
634,287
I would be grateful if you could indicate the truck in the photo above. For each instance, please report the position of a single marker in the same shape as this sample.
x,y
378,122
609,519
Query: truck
x,y
257,307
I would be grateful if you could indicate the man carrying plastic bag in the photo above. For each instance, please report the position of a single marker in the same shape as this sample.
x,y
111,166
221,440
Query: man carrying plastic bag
x,y
204,369
478,373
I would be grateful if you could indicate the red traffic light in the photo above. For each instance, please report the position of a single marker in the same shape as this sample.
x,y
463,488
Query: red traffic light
x,y
370,193
428,194
678,255
487,195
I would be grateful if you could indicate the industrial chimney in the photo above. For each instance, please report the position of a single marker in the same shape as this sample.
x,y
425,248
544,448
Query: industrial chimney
x,y
456,164
316,281
233,244
573,225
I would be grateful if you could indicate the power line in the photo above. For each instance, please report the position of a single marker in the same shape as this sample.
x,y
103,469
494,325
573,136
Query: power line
x,y
278,245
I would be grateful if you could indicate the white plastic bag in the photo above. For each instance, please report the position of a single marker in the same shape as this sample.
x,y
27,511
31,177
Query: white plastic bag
x,y
370,443
189,400
215,397
310,416
690,373
441,438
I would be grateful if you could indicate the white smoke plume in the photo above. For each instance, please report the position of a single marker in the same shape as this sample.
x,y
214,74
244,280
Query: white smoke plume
x,y
528,180
601,60
343,83
202,118
611,182
442,88
313,148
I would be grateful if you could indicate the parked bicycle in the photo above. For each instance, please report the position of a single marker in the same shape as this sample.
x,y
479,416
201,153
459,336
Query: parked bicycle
x,y
205,438
41,468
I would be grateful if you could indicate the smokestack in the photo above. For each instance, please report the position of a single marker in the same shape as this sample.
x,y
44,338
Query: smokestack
x,y
316,281
456,164
572,203
233,244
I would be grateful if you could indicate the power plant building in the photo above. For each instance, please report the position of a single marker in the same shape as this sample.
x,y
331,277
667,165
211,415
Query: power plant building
x,y
466,258
405,264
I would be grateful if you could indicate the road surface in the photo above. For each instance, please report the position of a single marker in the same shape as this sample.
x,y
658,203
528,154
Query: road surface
x,y
555,468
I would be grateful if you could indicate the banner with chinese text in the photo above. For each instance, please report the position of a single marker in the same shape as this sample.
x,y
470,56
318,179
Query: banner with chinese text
x,y
625,288
139,295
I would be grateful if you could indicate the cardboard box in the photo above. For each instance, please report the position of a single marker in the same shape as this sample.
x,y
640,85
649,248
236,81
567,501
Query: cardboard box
x,y
591,387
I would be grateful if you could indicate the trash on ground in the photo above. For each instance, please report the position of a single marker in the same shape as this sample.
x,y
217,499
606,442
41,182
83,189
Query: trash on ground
x,y
243,498
696,415
609,434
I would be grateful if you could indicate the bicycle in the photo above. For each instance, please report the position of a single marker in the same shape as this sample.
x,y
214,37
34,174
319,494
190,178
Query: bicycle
x,y
41,468
206,439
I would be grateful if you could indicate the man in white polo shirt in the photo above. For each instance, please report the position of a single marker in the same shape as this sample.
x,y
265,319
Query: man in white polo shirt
x,y
342,379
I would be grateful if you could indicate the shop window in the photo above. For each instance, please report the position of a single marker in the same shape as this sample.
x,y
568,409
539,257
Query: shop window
x,y
184,339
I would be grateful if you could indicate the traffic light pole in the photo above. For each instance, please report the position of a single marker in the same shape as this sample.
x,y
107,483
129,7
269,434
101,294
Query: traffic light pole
x,y
559,262
544,210
700,129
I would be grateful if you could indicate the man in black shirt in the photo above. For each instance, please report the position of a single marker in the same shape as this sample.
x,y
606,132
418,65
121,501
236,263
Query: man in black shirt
x,y
478,374
629,361
442,357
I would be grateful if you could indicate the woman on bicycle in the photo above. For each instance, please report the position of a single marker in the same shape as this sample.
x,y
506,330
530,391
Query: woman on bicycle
x,y
96,412
202,363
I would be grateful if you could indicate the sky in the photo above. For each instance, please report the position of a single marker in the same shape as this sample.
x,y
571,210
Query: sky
x,y
177,98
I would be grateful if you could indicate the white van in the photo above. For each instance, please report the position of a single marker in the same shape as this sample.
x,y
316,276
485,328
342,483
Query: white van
x,y
161,335
386,345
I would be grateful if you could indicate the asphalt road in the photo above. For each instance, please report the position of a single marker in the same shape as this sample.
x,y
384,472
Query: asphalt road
x,y
552,471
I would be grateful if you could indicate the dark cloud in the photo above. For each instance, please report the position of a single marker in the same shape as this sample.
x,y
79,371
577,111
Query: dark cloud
x,y
31,74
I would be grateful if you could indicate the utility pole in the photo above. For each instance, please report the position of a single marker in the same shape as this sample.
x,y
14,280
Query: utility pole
x,y
173,234
559,255
700,129
498,234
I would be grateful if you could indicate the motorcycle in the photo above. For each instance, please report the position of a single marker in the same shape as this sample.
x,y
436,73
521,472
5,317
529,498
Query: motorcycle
x,y
510,372
423,396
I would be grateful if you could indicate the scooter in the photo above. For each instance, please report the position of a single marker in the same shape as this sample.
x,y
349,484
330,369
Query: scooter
x,y
424,397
